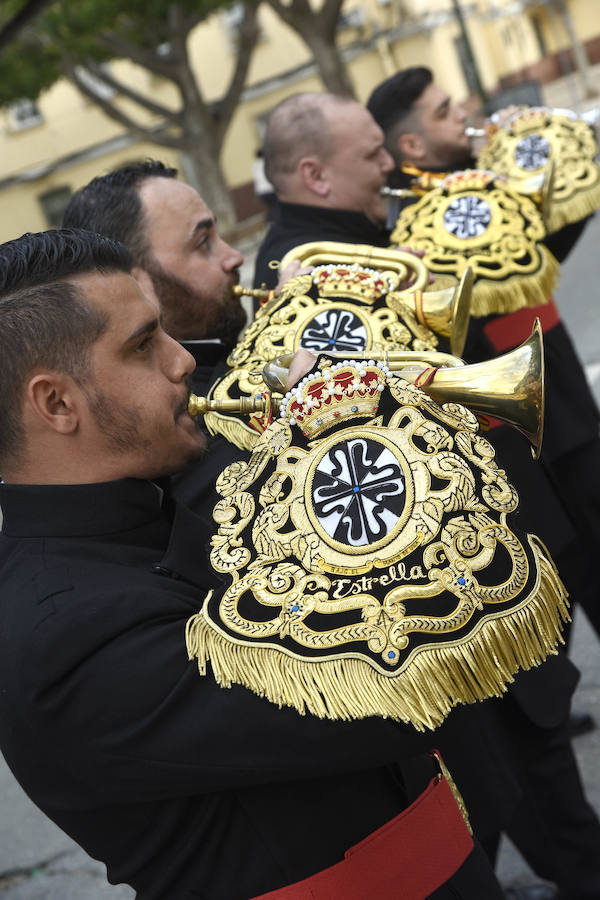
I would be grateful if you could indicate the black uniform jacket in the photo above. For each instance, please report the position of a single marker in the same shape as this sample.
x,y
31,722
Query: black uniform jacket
x,y
295,223
183,788
542,694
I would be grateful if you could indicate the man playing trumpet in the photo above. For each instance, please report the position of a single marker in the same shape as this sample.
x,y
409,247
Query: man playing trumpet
x,y
181,787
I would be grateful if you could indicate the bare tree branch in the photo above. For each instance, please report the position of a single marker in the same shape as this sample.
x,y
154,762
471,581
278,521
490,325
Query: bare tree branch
x,y
125,90
31,9
122,49
248,35
117,115
290,13
329,15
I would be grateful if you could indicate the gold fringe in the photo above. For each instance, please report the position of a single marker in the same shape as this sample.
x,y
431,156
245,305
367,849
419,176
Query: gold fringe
x,y
517,291
235,431
572,209
433,679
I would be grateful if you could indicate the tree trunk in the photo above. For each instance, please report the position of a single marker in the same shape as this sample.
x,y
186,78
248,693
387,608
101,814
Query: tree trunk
x,y
202,170
317,30
579,54
332,70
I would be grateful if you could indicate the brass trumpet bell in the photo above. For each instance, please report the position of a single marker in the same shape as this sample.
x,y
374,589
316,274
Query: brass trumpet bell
x,y
444,312
538,187
509,388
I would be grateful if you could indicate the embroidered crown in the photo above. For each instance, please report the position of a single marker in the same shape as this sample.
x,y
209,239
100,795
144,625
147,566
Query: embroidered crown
x,y
357,282
527,119
469,179
343,390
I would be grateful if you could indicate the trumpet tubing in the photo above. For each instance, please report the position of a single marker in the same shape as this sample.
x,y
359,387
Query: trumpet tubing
x,y
275,373
260,293
199,406
444,312
509,388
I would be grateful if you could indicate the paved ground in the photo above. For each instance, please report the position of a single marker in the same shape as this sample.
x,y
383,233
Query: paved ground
x,y
38,862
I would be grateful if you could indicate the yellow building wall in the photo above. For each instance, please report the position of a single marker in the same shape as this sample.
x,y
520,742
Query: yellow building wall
x,y
585,18
20,209
502,45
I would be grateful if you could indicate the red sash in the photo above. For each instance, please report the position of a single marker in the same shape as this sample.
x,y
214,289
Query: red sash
x,y
506,332
410,856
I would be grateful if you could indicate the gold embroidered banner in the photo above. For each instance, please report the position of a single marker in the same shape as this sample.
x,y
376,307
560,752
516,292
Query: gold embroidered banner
x,y
356,298
475,220
532,139
371,561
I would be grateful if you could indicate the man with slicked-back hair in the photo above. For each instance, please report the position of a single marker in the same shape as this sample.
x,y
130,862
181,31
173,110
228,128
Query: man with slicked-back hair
x,y
182,262
183,788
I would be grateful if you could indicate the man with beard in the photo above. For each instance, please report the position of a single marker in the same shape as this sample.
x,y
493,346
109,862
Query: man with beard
x,y
560,495
179,258
181,787
181,262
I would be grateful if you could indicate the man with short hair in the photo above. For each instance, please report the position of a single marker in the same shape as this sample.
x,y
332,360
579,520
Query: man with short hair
x,y
182,262
182,788
421,122
179,258
325,157
560,494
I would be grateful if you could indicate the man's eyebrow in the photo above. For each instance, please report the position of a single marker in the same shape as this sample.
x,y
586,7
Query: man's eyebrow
x,y
201,225
147,328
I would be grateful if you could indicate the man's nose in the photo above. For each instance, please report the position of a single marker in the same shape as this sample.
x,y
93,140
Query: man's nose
x,y
179,362
387,161
232,259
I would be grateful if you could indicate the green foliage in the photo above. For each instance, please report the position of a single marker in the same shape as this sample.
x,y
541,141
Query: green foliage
x,y
73,31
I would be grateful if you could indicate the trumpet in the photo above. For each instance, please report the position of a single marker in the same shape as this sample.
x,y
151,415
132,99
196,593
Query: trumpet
x,y
509,388
402,193
538,187
475,132
260,293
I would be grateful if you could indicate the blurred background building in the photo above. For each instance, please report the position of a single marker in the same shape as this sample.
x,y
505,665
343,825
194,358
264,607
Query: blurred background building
x,y
84,125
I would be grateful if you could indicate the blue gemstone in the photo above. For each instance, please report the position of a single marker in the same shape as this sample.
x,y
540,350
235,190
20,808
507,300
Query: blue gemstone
x,y
462,580
391,655
331,342
356,489
295,608
319,421
355,409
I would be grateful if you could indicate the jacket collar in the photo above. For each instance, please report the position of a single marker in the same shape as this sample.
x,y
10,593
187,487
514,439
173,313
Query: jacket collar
x,y
349,222
61,510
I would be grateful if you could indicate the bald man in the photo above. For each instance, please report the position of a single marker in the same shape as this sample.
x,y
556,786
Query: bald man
x,y
325,157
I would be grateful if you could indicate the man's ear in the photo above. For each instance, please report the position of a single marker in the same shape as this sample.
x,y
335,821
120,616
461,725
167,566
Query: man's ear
x,y
411,146
54,399
312,175
145,282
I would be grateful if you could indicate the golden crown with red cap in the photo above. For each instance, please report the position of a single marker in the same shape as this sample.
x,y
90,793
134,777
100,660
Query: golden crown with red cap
x,y
344,390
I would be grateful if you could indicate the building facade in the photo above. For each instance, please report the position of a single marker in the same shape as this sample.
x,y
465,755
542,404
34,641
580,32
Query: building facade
x,y
50,148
